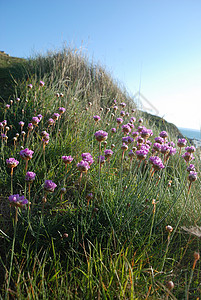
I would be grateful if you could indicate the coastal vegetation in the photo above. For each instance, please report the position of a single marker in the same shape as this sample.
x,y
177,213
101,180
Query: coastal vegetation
x,y
98,199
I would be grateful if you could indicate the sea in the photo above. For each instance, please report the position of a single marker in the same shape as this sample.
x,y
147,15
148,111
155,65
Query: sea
x,y
191,133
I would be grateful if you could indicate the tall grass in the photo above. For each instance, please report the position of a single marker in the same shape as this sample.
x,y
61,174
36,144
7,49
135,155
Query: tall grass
x,y
114,244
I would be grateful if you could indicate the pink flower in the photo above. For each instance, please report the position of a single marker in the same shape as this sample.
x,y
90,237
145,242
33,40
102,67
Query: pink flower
x,y
49,186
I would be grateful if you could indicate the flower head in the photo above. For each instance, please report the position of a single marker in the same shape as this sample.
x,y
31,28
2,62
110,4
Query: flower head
x,y
30,126
62,110
190,149
26,154
87,157
50,121
141,154
67,159
30,176
41,83
108,153
192,176
126,129
96,118
101,135
17,200
181,143
190,168
21,123
49,186
159,140
40,117
163,134
55,116
119,120
156,162
12,162
35,120
83,166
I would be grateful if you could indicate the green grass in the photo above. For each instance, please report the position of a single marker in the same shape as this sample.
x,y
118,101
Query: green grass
x,y
115,245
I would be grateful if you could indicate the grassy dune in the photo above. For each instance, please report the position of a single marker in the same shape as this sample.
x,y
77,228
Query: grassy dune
x,y
102,225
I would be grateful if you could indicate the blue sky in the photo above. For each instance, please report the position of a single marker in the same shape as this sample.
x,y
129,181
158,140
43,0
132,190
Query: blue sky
x,y
154,44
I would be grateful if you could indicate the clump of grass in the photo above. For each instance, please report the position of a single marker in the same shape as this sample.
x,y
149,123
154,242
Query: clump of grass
x,y
94,226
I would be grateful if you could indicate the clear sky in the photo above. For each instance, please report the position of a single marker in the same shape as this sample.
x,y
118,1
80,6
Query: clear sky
x,y
151,45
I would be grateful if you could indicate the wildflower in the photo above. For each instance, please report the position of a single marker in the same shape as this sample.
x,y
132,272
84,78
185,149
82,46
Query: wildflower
x,y
41,83
190,168
169,228
49,186
26,154
30,127
190,149
18,99
119,120
108,153
135,134
17,200
127,114
141,154
30,176
7,106
159,140
115,107
101,135
83,166
12,162
63,190
165,149
170,285
30,86
157,147
35,120
67,159
124,147
96,118
62,110
132,119
87,157
140,120
140,140
57,95
192,176
181,143
113,130
140,128
4,123
55,116
122,104
40,117
50,121
131,125
21,123
122,113
126,129
156,162
163,134
188,156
